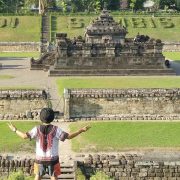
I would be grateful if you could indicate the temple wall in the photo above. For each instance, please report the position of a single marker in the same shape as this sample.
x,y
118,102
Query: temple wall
x,y
122,104
120,62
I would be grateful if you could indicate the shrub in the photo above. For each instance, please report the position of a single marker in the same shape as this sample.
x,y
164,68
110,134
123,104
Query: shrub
x,y
166,22
19,176
138,23
152,23
100,176
80,175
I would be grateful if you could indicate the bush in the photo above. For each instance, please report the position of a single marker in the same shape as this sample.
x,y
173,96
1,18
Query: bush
x,y
18,176
138,23
80,175
166,22
100,176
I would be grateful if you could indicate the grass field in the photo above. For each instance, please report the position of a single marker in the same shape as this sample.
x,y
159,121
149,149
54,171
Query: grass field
x,y
115,136
20,54
20,28
118,82
166,28
2,77
172,55
18,88
27,28
10,142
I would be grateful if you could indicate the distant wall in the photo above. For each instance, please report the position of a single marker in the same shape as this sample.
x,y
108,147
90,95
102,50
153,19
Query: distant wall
x,y
122,104
35,46
19,46
21,104
171,46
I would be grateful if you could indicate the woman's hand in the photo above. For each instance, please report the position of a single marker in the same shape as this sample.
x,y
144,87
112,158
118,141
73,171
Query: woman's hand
x,y
12,127
84,129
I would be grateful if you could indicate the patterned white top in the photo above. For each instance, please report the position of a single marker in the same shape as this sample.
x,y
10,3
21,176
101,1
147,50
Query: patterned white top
x,y
47,143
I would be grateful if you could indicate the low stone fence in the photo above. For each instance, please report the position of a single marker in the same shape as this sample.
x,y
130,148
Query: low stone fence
x,y
122,104
35,46
130,167
118,167
22,104
171,46
19,47
8,166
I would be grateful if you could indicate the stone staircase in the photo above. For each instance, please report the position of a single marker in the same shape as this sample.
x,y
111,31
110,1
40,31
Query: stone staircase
x,y
45,32
67,172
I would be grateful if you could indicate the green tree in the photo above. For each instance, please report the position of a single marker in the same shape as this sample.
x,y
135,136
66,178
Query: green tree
x,y
167,3
132,4
62,4
11,6
177,4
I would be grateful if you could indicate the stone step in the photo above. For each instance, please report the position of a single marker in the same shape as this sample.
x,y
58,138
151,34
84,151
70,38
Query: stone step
x,y
111,72
67,170
62,176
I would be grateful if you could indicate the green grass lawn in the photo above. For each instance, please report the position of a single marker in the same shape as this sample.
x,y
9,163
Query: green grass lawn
x,y
118,82
115,136
18,88
166,28
27,29
6,77
172,55
10,142
20,54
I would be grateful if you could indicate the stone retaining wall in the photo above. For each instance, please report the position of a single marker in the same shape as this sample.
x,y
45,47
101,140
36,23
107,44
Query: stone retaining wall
x,y
130,167
22,104
35,46
7,166
119,167
19,46
122,104
171,46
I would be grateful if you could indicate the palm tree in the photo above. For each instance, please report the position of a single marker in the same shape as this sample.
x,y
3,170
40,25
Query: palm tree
x,y
42,6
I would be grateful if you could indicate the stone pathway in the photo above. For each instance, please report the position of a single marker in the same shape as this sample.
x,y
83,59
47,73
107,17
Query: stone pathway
x,y
176,66
23,77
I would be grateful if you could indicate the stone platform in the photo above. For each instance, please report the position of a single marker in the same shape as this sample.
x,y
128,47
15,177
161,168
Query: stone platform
x,y
110,72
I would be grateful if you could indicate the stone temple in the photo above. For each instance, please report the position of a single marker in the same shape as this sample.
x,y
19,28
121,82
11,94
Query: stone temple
x,y
104,50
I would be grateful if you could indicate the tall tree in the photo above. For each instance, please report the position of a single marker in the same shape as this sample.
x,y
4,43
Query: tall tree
x,y
168,3
178,4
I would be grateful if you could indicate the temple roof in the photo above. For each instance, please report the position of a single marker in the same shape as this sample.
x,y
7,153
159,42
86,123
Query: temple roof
x,y
105,25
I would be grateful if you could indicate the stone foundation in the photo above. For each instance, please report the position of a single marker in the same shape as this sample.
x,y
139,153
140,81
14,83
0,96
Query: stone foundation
x,y
122,104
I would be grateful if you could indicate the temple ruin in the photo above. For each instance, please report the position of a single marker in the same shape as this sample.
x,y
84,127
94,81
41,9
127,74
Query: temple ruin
x,y
104,50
